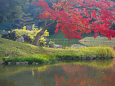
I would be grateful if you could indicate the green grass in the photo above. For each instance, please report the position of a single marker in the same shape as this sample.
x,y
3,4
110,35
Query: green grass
x,y
96,52
12,51
17,49
30,59
99,41
65,55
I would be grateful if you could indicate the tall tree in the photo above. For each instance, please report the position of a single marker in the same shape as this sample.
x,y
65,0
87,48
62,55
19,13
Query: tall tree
x,y
76,17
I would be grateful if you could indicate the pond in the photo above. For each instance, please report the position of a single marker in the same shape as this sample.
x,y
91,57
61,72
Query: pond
x,y
101,73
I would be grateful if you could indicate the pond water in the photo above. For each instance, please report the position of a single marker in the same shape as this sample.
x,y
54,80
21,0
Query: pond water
x,y
72,74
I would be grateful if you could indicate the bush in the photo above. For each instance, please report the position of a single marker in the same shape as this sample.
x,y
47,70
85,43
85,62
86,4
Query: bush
x,y
27,34
52,43
30,59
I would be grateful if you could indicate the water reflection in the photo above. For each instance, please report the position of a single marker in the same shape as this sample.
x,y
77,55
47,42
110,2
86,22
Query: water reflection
x,y
7,83
85,76
58,75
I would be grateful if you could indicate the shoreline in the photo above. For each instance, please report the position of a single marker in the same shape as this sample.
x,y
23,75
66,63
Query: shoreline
x,y
58,60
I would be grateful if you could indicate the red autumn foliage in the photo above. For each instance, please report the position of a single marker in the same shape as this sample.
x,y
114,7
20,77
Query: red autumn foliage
x,y
80,75
76,17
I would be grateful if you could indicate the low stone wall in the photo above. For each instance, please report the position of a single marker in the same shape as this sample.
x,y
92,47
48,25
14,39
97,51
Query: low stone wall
x,y
57,60
82,59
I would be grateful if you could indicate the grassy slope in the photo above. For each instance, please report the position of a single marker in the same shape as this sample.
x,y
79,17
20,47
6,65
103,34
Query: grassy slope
x,y
29,52
16,49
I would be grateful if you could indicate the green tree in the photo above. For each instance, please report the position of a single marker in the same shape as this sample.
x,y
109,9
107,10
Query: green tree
x,y
10,10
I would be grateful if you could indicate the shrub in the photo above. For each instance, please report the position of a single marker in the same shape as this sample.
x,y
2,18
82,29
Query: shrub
x,y
27,34
99,52
51,42
30,59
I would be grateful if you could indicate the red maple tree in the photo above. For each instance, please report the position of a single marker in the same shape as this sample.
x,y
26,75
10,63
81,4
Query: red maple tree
x,y
76,17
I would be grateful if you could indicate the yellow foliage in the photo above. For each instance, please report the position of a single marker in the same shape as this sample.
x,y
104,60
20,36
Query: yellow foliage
x,y
42,69
8,31
24,28
32,33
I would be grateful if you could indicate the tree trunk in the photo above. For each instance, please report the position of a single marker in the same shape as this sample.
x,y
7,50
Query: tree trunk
x,y
38,36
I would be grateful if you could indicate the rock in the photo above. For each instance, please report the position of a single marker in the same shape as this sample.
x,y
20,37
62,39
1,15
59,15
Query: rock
x,y
102,58
9,63
88,58
45,63
41,44
83,58
77,46
26,63
68,59
11,36
93,57
57,46
51,45
17,63
21,39
37,63
5,36
23,63
29,27
27,39
1,63
34,63
76,59
47,42
59,59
